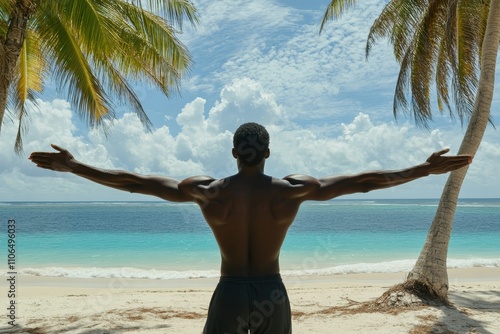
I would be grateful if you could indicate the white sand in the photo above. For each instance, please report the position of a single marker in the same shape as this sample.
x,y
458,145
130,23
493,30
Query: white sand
x,y
98,306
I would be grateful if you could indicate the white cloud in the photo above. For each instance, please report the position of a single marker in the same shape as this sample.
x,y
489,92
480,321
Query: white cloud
x,y
51,123
202,146
243,101
226,29
313,77
245,16
328,110
280,47
358,146
204,142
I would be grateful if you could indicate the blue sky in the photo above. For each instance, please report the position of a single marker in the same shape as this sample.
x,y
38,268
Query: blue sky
x,y
327,108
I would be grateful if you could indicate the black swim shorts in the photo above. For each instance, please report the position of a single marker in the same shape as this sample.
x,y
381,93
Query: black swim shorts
x,y
256,305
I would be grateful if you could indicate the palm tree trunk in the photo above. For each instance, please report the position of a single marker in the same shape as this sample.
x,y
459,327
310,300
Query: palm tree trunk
x,y
430,268
11,46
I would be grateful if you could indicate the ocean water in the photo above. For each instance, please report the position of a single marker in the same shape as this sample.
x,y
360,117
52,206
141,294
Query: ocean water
x,y
162,240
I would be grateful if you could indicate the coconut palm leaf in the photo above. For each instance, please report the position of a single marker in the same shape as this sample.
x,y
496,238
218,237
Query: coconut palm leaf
x,y
98,49
73,69
28,81
441,41
335,9
173,10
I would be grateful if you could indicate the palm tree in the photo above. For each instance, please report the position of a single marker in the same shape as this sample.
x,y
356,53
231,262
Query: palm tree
x,y
430,268
93,49
459,39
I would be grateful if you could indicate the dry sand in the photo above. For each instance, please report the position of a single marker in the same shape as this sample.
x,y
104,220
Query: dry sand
x,y
319,305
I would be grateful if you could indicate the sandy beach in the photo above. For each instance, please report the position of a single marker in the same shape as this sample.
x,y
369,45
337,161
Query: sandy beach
x,y
319,305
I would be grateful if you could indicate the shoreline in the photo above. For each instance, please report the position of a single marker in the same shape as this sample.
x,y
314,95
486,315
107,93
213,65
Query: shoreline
x,y
47,305
472,275
306,266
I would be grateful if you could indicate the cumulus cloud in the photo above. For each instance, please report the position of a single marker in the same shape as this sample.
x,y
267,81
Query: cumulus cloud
x,y
244,16
358,146
203,146
50,122
243,101
327,109
280,47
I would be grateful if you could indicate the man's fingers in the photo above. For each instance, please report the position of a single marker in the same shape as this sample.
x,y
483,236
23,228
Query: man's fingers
x,y
443,151
39,156
58,148
43,165
469,157
43,159
40,159
465,158
48,164
460,161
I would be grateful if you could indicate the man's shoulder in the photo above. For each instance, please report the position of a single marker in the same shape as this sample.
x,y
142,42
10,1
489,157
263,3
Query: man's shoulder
x,y
199,179
300,179
297,185
203,187
194,182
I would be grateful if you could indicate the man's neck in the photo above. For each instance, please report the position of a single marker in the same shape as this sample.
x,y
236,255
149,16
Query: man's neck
x,y
251,171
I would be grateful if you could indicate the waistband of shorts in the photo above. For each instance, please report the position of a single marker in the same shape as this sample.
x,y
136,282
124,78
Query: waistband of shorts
x,y
252,279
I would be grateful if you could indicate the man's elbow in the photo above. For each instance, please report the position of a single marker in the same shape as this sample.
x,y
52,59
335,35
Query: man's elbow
x,y
132,189
367,187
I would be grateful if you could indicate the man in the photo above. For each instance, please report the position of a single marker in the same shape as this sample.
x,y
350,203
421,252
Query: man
x,y
249,214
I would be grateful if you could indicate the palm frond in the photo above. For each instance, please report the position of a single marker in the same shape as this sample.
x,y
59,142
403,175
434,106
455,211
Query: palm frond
x,y
381,27
397,22
120,86
27,83
410,28
434,41
149,49
21,131
485,9
173,10
6,7
31,67
443,75
443,69
22,127
447,60
85,18
401,90
97,47
71,67
467,71
334,10
427,40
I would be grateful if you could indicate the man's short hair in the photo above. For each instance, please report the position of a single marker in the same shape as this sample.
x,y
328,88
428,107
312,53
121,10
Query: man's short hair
x,y
251,141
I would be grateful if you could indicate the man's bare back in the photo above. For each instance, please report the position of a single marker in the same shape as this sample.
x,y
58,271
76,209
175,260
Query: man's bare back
x,y
249,218
250,212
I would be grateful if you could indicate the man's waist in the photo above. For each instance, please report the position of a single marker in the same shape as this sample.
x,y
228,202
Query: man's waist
x,y
252,279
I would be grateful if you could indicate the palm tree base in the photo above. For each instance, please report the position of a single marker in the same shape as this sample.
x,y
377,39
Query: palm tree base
x,y
408,294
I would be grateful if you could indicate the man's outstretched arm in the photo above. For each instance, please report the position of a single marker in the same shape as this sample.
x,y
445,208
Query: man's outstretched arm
x,y
334,186
163,187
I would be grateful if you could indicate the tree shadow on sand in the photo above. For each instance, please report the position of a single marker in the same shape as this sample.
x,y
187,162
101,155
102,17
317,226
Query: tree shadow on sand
x,y
456,315
79,330
115,321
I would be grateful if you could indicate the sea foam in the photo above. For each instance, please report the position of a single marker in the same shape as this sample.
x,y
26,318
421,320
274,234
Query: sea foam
x,y
355,268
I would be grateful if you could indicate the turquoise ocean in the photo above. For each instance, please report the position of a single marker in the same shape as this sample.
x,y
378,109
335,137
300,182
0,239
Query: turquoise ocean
x,y
160,240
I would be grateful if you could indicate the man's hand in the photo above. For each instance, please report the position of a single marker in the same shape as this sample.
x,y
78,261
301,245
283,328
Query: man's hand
x,y
439,164
63,161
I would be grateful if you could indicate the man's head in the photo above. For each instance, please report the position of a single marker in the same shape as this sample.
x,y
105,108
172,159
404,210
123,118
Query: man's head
x,y
251,144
